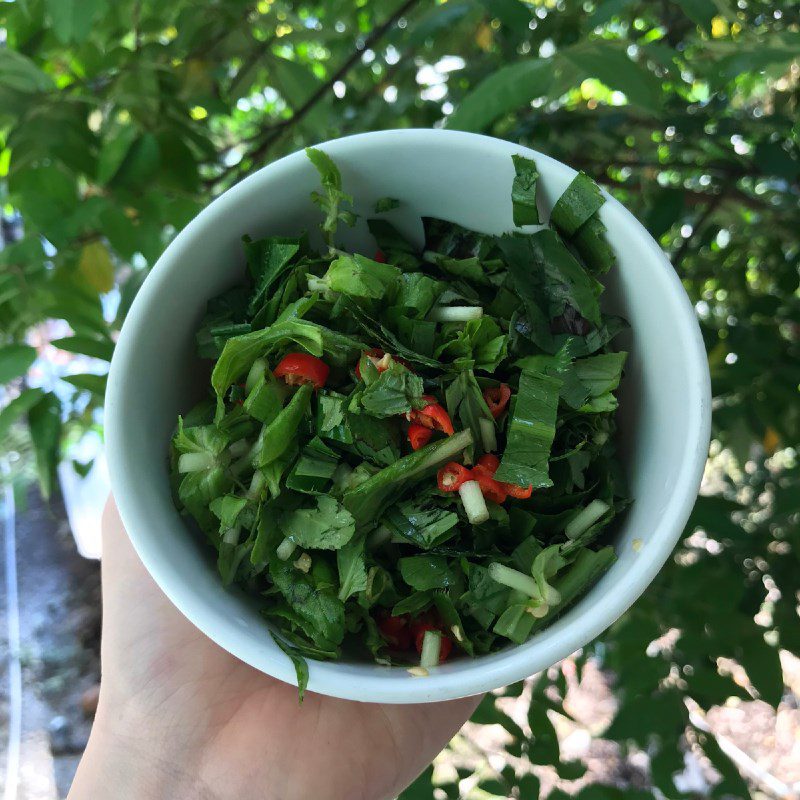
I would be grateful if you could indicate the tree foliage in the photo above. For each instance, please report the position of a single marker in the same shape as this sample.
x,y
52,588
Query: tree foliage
x,y
119,121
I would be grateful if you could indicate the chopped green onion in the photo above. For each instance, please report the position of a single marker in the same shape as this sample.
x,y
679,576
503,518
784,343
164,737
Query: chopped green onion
x,y
585,518
514,579
580,200
256,373
256,485
285,549
431,647
474,503
455,313
551,595
231,536
195,462
592,243
488,436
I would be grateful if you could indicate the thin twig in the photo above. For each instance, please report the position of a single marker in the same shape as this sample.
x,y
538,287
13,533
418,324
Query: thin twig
x,y
729,169
250,61
375,36
276,131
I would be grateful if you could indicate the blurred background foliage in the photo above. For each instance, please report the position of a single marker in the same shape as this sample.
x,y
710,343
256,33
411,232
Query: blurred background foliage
x,y
119,121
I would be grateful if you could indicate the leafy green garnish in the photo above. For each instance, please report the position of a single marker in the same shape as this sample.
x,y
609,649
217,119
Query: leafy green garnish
x,y
523,191
479,344
267,261
312,597
359,276
422,523
592,243
367,500
531,431
329,526
394,391
281,432
311,495
313,471
298,661
350,561
427,572
579,202
333,196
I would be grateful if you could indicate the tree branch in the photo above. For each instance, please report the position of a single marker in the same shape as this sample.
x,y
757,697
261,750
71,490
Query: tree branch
x,y
275,132
249,62
729,169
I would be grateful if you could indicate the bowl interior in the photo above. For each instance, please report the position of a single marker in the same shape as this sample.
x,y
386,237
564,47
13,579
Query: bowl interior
x,y
461,177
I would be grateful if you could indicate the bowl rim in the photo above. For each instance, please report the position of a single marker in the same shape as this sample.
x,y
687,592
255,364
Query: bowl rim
x,y
470,676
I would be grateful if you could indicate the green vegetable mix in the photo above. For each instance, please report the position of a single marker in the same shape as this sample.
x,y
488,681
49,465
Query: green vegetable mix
x,y
407,455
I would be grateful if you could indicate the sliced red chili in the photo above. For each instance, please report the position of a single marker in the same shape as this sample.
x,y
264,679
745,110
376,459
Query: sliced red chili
x,y
377,357
451,477
492,490
380,257
519,492
419,629
298,368
490,462
497,398
418,435
433,416
396,631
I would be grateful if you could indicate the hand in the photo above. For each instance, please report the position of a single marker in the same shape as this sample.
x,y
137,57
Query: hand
x,y
181,718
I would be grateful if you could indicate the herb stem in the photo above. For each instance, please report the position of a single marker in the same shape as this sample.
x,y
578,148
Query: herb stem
x,y
285,549
488,435
455,313
195,462
585,518
231,536
256,485
474,502
514,579
431,647
255,374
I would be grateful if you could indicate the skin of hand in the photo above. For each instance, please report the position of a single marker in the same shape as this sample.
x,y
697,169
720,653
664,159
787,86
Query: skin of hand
x,y
180,718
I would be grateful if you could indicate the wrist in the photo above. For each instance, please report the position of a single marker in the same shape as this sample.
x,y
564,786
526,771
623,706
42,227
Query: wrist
x,y
129,759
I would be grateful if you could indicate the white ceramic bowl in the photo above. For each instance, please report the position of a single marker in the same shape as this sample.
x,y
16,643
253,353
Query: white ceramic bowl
x,y
664,405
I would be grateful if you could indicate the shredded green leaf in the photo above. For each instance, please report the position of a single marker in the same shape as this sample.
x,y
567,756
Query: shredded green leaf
x,y
476,350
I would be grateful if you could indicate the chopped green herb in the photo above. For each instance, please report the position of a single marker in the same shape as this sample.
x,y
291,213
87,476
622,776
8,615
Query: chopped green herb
x,y
580,200
433,463
523,191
